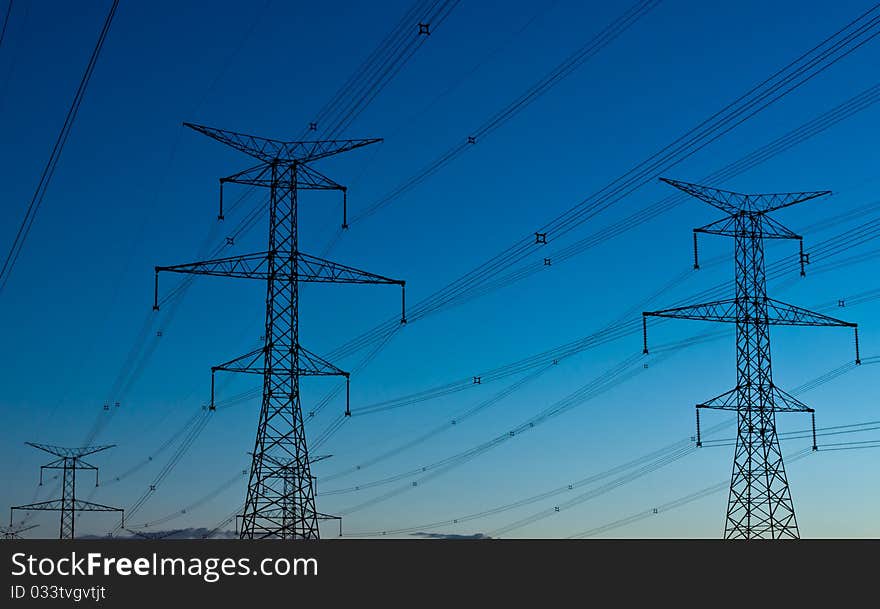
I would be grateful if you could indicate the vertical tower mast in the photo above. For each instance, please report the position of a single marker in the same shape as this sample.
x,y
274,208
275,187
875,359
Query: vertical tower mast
x,y
280,497
759,504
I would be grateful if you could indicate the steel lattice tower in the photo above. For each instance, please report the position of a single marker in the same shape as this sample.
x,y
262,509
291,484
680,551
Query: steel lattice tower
x,y
69,460
759,504
280,498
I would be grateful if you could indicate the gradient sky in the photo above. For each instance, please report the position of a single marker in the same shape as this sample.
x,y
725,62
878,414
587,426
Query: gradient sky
x,y
135,189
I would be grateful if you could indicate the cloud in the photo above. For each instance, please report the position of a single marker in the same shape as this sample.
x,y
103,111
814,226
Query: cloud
x,y
188,533
450,535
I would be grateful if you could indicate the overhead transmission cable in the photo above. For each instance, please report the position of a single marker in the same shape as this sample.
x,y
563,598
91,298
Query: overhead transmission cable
x,y
55,155
363,79
798,72
5,22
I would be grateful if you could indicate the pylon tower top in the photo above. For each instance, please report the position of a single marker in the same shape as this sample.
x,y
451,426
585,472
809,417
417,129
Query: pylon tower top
x,y
735,203
70,453
270,150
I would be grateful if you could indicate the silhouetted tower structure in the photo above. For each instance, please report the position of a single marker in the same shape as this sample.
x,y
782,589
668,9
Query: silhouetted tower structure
x,y
759,504
13,532
280,498
70,460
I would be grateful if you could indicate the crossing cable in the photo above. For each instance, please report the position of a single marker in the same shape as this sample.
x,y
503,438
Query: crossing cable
x,y
811,63
866,296
626,325
225,522
859,427
542,8
141,352
592,47
190,507
191,431
817,126
453,422
531,519
615,376
5,23
710,490
378,79
564,404
169,466
672,505
336,425
49,169
654,457
847,109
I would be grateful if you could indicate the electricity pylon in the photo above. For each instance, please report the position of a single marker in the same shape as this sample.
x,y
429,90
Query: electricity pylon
x,y
759,504
280,498
69,461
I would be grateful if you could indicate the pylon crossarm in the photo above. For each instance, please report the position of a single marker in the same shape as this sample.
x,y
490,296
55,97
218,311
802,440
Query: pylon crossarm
x,y
251,362
309,178
772,229
719,310
311,364
271,150
62,452
734,202
726,226
56,464
322,516
80,464
785,402
767,228
255,266
52,505
12,532
317,270
784,314
258,175
725,401
247,266
88,506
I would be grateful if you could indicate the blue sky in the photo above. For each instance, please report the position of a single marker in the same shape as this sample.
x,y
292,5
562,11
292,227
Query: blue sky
x,y
135,189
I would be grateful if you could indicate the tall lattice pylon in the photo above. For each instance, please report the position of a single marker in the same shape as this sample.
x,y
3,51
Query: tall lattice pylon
x,y
280,500
759,504
70,460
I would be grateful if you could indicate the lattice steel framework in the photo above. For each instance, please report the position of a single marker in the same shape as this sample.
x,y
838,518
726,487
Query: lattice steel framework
x,y
13,532
280,499
69,460
759,503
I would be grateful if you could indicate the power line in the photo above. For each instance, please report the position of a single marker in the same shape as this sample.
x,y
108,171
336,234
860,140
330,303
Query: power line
x,y
792,76
365,77
627,326
671,505
439,467
605,37
5,23
49,170
542,359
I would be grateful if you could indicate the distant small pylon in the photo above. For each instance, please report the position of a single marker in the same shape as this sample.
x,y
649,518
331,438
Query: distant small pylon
x,y
70,460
